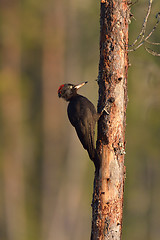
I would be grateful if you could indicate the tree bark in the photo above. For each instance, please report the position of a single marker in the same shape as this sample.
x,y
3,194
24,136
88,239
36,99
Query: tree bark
x,y
107,203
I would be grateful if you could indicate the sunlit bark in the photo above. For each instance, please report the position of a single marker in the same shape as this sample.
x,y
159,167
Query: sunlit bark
x,y
107,203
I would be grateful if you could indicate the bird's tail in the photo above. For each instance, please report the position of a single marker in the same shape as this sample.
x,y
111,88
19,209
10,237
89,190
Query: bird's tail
x,y
94,157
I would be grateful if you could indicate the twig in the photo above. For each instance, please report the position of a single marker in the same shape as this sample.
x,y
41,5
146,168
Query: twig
x,y
135,48
152,52
142,33
148,36
144,39
153,43
132,4
154,28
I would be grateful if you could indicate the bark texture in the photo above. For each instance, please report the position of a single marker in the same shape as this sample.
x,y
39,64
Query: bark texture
x,y
107,204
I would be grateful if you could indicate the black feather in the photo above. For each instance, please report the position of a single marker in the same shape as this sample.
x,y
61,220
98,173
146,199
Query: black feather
x,y
83,116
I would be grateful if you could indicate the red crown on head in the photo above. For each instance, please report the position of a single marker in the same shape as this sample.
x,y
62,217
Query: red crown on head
x,y
60,88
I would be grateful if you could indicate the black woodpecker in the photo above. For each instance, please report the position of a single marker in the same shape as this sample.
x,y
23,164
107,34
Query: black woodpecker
x,y
83,116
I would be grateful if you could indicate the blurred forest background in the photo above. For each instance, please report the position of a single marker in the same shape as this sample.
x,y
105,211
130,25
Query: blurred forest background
x,y
46,178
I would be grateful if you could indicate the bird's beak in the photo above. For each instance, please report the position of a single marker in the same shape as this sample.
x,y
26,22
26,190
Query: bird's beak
x,y
80,85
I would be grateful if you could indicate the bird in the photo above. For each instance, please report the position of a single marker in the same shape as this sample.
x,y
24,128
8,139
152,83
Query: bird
x,y
83,117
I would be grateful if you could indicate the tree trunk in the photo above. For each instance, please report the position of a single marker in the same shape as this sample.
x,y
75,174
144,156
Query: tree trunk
x,y
12,122
107,205
52,78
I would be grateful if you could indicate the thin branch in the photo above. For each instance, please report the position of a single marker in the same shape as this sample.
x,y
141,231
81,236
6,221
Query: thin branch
x,y
145,39
132,4
142,33
152,52
154,28
135,48
153,43
148,36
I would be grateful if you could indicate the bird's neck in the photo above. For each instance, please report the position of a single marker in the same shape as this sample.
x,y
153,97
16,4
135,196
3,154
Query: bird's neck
x,y
74,96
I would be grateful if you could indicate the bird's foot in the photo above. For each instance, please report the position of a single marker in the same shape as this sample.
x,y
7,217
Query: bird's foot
x,y
107,107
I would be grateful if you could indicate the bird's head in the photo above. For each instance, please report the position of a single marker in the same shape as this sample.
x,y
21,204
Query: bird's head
x,y
67,91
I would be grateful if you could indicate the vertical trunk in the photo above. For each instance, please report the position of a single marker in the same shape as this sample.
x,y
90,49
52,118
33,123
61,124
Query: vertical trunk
x,y
53,75
12,152
109,182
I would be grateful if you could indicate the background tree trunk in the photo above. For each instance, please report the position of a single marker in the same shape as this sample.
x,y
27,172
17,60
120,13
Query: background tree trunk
x,y
109,182
52,72
13,147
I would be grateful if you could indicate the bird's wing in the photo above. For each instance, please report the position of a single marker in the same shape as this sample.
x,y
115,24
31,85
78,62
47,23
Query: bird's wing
x,y
85,132
81,115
